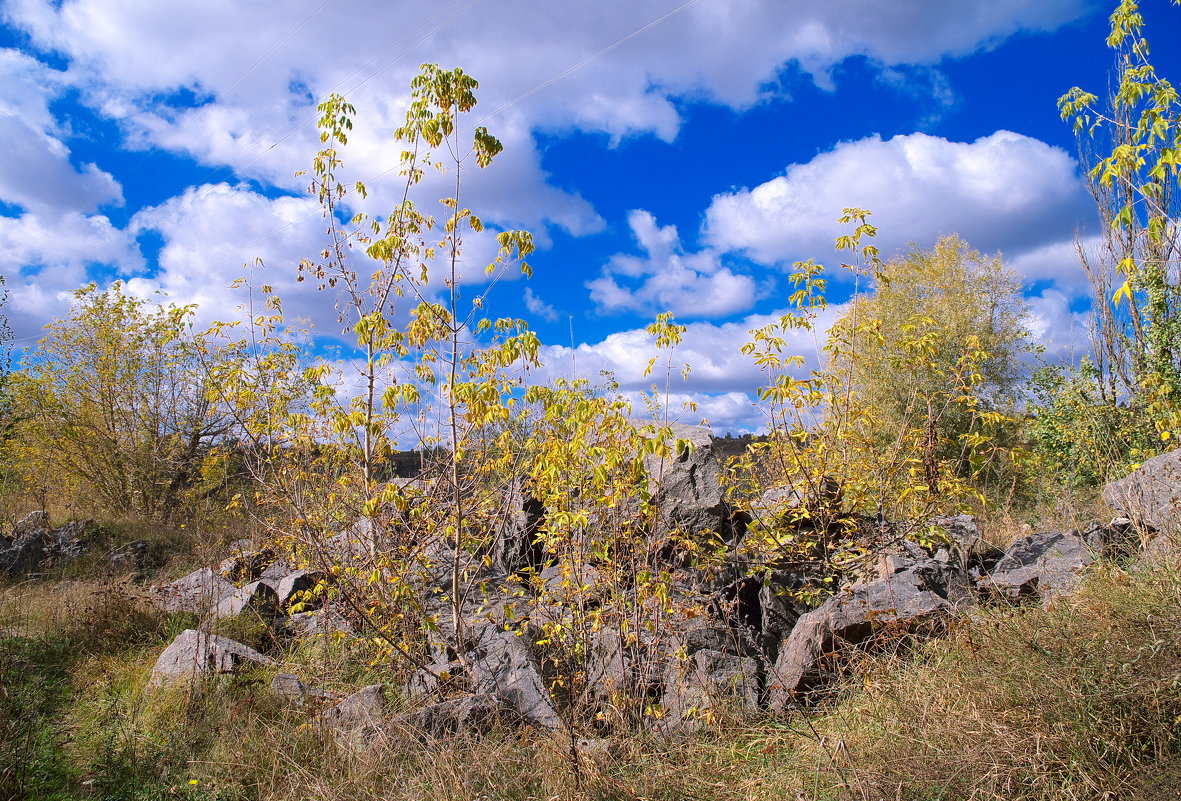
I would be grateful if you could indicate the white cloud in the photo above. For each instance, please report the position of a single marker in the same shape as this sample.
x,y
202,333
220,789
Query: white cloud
x,y
539,307
667,278
722,380
1002,192
712,350
259,69
35,169
1058,263
36,174
1064,333
44,262
212,236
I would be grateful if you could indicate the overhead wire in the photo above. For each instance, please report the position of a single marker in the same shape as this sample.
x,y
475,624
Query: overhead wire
x,y
543,85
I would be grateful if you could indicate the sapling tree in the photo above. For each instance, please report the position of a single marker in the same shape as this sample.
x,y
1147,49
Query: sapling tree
x,y
429,366
1131,144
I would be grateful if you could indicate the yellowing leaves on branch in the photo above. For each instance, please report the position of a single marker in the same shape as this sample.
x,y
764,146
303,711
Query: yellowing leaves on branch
x,y
940,324
111,403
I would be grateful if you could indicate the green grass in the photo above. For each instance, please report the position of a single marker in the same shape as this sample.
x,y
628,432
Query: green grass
x,y
1080,702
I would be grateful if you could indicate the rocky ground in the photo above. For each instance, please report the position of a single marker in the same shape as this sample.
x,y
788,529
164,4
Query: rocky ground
x,y
741,642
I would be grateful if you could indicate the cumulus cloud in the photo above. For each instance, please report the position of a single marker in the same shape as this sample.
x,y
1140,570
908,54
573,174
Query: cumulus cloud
x,y
539,307
1060,264
712,350
255,107
666,278
1062,331
213,234
35,168
44,262
36,174
722,380
1004,192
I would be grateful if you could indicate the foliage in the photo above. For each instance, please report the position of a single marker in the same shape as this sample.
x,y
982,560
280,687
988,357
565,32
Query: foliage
x,y
1132,145
844,445
923,311
1081,438
111,406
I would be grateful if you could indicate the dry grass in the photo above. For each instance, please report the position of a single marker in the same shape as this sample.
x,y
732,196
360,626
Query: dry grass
x,y
1068,703
1081,701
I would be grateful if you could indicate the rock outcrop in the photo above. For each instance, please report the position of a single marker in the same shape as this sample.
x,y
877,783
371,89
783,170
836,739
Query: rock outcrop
x,y
1045,565
920,600
198,592
34,546
1151,495
688,484
196,654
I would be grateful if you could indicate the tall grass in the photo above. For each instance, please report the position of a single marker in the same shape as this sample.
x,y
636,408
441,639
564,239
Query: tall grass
x,y
1078,701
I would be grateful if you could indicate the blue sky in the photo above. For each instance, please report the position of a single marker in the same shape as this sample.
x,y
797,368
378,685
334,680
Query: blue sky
x,y
684,169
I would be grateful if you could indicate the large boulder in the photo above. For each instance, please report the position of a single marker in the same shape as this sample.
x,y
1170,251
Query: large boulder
x,y
198,592
1151,495
506,664
1043,565
196,654
360,713
514,544
32,545
292,584
688,484
918,601
470,714
256,598
708,683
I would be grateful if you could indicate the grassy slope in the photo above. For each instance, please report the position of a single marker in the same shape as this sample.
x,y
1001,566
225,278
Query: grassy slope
x,y
1081,701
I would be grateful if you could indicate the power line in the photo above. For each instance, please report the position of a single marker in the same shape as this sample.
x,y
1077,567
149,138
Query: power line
x,y
588,60
514,101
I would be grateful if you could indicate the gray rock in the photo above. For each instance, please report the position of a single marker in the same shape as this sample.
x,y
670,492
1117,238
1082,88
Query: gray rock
x,y
616,668
918,601
198,592
472,714
195,654
438,679
34,547
25,554
1151,495
131,556
706,683
257,598
289,686
514,544
1044,565
361,712
898,557
504,664
32,524
688,485
797,505
275,571
291,584
318,622
965,546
